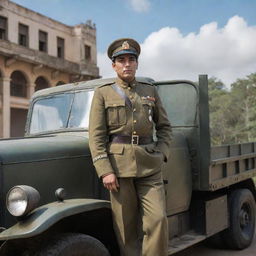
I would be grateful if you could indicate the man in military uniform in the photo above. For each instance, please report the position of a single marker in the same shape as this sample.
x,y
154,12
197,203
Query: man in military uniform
x,y
122,119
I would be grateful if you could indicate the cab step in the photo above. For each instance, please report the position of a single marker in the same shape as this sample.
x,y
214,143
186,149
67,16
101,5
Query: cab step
x,y
180,243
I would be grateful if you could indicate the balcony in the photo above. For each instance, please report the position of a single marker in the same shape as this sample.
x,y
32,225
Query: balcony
x,y
16,52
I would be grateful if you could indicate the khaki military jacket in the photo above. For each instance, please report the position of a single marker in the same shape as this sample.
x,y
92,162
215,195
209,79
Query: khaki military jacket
x,y
110,115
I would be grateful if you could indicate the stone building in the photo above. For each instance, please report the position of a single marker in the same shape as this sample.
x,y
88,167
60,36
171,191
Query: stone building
x,y
37,52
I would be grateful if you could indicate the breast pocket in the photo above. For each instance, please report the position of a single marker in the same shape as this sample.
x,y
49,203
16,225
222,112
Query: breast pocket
x,y
115,112
148,104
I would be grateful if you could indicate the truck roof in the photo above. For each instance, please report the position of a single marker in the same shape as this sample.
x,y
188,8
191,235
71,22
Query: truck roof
x,y
84,85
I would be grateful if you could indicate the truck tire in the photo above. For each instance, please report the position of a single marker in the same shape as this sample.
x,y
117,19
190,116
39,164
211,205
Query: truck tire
x,y
240,233
74,244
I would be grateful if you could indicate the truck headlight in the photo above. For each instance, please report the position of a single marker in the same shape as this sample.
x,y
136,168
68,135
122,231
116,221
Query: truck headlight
x,y
21,200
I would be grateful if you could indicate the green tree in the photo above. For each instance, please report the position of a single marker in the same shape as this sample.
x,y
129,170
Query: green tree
x,y
221,113
243,93
233,113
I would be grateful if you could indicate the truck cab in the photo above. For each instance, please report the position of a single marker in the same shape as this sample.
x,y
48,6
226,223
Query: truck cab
x,y
54,204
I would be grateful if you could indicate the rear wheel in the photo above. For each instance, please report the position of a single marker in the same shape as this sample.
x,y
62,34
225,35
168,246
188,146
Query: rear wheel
x,y
240,233
74,245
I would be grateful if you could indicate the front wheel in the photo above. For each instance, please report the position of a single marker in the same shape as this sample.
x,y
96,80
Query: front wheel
x,y
73,244
240,233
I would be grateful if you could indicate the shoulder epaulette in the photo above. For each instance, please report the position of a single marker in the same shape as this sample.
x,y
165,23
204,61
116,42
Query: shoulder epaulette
x,y
147,83
145,80
102,85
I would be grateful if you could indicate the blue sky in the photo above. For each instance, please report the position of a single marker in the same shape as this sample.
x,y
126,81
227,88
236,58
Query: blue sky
x,y
179,38
119,18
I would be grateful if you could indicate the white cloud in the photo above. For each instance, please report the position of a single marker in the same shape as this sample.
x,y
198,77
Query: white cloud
x,y
140,5
227,53
104,63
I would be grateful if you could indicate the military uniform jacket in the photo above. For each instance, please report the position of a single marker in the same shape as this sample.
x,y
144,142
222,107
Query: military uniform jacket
x,y
110,115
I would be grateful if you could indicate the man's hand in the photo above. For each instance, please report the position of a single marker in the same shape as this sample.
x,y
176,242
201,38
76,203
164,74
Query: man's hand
x,y
110,182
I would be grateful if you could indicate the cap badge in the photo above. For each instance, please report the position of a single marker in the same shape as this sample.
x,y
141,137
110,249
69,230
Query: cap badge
x,y
125,45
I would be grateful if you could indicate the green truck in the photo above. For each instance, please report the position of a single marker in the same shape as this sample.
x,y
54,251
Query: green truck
x,y
52,202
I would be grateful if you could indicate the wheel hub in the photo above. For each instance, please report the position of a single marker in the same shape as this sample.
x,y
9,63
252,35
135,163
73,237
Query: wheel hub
x,y
244,218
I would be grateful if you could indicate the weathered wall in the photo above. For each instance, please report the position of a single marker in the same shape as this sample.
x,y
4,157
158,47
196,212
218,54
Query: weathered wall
x,y
33,63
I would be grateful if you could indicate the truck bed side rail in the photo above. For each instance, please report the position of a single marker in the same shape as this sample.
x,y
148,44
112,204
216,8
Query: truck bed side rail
x,y
231,164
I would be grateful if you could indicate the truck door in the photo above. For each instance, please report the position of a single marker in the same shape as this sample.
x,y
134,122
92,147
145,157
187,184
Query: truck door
x,y
180,100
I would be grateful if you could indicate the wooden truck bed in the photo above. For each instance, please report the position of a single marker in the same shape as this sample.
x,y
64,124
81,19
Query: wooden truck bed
x,y
231,164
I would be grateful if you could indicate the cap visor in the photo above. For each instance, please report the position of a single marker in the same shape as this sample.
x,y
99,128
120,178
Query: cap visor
x,y
128,51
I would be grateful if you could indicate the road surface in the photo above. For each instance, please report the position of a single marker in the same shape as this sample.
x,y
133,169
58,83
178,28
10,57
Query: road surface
x,y
202,250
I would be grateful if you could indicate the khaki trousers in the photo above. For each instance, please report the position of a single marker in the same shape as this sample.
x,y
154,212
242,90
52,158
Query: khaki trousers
x,y
139,216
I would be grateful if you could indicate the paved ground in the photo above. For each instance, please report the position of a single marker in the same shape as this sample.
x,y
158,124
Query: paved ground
x,y
202,250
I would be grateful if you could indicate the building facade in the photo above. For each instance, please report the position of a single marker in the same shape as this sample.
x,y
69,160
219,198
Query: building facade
x,y
37,52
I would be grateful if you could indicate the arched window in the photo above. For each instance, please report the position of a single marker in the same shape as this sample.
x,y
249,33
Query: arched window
x,y
18,84
41,83
60,83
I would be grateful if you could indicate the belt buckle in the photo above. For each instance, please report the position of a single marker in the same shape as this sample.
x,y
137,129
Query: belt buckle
x,y
135,140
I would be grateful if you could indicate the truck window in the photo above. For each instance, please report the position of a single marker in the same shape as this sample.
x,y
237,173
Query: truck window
x,y
66,110
180,102
80,111
50,113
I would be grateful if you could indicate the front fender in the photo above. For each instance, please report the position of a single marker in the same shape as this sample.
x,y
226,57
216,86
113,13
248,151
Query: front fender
x,y
47,215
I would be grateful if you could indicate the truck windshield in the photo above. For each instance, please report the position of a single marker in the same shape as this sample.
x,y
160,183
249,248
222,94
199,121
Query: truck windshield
x,y
69,110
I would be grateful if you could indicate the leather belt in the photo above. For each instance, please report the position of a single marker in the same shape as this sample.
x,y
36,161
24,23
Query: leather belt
x,y
134,139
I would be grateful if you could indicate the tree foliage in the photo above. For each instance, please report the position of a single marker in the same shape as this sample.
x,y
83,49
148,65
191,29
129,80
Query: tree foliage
x,y
233,112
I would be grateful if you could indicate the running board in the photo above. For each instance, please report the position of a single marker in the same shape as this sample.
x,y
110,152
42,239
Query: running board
x,y
190,238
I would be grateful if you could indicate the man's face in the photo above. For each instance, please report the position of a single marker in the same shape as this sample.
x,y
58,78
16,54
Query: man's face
x,y
125,66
